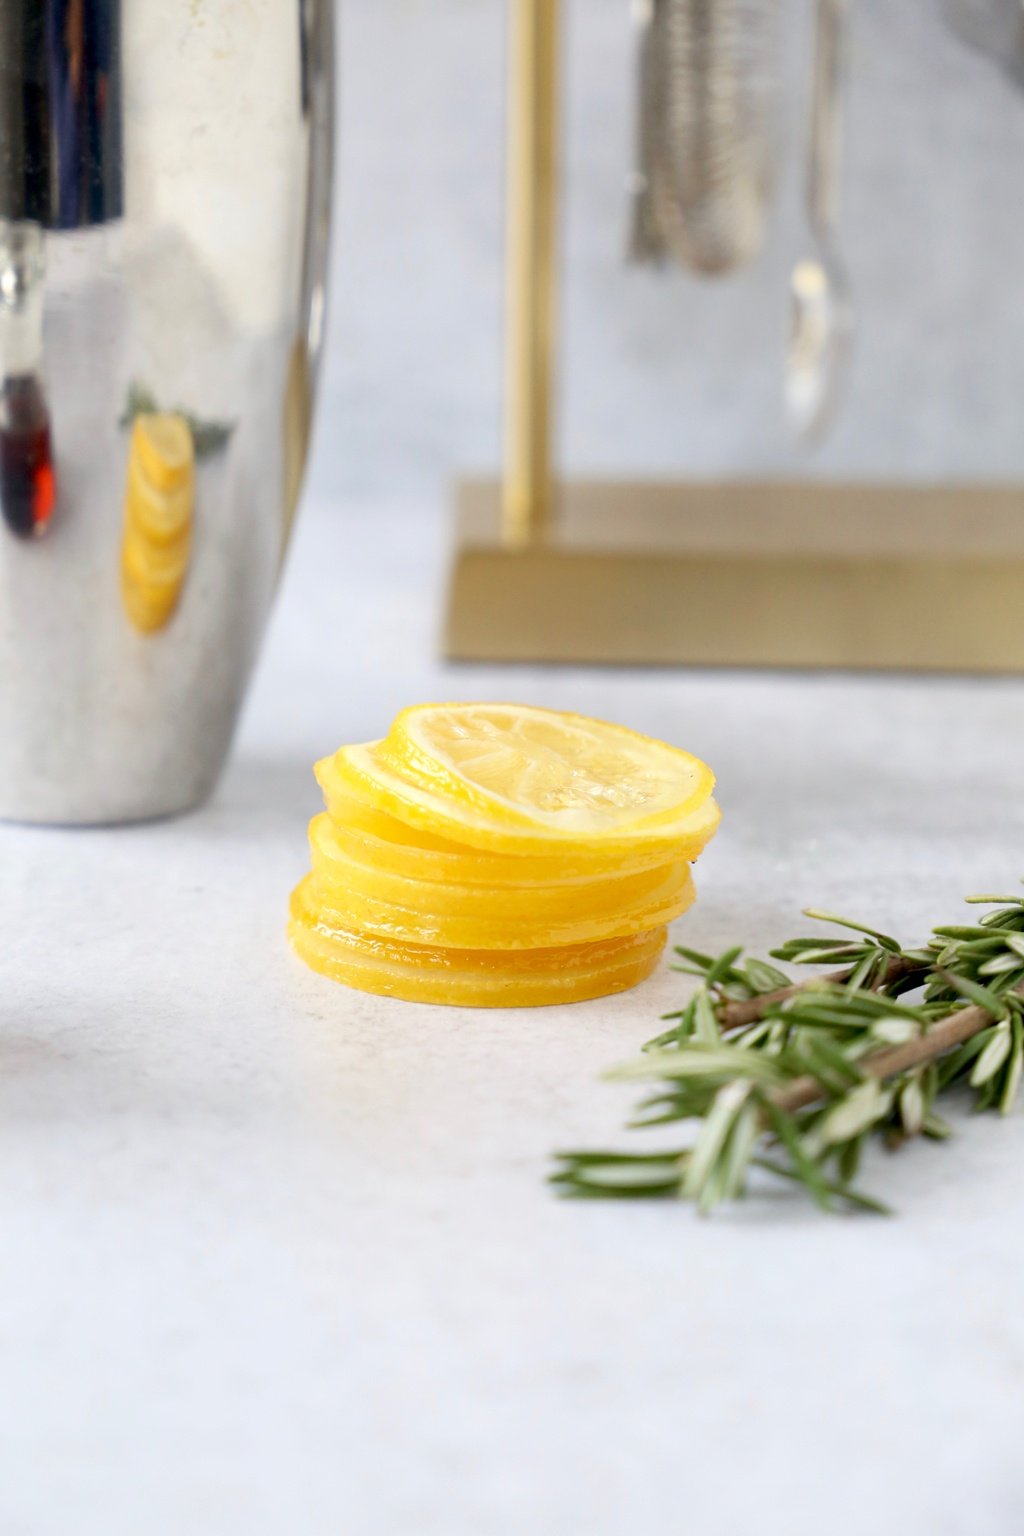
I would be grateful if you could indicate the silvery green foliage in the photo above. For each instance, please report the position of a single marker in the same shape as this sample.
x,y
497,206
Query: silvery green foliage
x,y
793,1080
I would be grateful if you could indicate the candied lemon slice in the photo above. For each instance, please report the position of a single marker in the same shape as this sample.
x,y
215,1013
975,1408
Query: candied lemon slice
x,y
428,914
344,864
364,773
540,768
469,978
162,443
359,818
382,919
382,842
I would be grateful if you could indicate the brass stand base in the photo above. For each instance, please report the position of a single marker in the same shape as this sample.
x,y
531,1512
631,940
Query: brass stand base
x,y
745,574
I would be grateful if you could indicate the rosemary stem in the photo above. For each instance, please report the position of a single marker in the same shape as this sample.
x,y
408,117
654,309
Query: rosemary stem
x,y
953,1030
738,1014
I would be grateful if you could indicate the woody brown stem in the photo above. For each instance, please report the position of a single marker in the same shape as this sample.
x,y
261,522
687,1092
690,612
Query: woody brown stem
x,y
953,1030
737,1015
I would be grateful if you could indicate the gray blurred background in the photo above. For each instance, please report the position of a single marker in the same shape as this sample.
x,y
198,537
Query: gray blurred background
x,y
664,374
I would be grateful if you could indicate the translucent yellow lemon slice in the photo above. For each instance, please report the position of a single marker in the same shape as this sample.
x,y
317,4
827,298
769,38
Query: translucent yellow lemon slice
x,y
467,917
344,864
372,837
366,774
469,978
541,769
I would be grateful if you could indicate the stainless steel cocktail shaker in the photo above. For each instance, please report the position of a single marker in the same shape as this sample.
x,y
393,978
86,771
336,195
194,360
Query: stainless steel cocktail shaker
x,y
165,184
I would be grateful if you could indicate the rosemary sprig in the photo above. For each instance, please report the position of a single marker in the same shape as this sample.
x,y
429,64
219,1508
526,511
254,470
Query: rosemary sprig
x,y
794,1078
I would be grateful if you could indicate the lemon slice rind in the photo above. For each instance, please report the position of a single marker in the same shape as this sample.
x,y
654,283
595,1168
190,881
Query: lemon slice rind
x,y
349,897
459,978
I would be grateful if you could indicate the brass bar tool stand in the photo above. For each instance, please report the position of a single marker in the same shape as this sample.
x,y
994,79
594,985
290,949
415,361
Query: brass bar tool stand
x,y
530,270
744,573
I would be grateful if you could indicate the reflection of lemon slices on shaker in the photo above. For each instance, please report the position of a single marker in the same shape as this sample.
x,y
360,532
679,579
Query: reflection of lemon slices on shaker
x,y
158,507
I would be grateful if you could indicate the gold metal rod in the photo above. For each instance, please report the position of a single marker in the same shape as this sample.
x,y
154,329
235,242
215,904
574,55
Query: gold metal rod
x,y
530,267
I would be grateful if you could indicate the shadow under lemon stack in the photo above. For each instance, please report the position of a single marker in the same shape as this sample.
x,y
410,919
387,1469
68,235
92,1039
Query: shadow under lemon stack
x,y
495,855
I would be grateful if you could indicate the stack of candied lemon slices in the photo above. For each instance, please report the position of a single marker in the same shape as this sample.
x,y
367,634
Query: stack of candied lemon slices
x,y
496,855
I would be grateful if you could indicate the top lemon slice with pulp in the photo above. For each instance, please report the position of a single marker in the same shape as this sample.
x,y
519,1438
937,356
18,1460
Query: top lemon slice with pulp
x,y
520,786
539,768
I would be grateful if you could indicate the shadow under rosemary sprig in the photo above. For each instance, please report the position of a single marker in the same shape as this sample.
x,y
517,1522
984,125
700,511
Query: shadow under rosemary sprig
x,y
793,1078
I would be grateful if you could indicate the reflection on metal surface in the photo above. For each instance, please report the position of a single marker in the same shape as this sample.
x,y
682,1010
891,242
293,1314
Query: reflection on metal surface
x,y
159,500
27,480
177,154
60,111
297,419
207,436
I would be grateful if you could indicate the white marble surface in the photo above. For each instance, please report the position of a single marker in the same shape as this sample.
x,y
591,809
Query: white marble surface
x,y
280,1257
